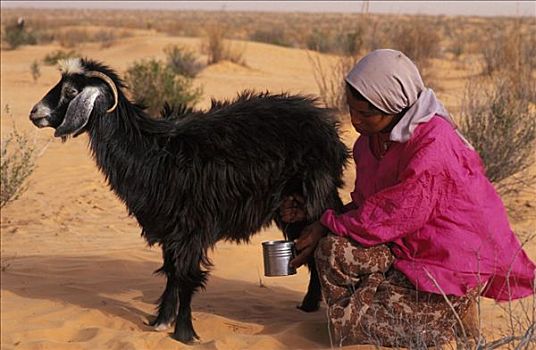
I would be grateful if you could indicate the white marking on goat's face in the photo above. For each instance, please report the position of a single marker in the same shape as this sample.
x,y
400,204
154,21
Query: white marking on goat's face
x,y
71,66
50,111
40,114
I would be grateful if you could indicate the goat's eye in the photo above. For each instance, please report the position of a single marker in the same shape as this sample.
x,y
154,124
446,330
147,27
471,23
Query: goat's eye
x,y
71,92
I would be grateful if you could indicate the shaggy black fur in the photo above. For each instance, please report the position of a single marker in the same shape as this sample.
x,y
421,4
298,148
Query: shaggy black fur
x,y
192,178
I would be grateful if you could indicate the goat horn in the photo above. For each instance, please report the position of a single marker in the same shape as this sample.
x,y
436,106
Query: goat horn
x,y
110,83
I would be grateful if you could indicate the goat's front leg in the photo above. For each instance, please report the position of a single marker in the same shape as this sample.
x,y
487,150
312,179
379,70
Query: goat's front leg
x,y
190,278
167,308
311,301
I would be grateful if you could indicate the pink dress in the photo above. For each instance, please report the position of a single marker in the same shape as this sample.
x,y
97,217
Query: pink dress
x,y
429,197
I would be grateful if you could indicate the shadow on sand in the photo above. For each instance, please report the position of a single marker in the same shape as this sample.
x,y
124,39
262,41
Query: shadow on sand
x,y
101,283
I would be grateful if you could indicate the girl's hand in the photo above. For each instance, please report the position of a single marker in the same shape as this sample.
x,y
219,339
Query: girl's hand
x,y
306,244
291,209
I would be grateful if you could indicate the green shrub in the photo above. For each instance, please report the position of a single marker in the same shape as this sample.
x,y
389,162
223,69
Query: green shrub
x,y
52,58
320,41
152,83
343,42
16,35
183,61
18,162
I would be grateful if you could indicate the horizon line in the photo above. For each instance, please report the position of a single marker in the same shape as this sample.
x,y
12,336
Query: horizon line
x,y
444,8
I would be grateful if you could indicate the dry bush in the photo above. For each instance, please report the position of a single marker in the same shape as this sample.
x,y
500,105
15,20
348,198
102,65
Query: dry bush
x,y
17,163
105,37
520,317
419,40
35,70
213,44
511,46
348,44
183,61
314,30
342,41
352,42
330,79
377,35
44,37
321,41
455,32
499,119
218,49
274,36
76,36
72,37
294,28
152,83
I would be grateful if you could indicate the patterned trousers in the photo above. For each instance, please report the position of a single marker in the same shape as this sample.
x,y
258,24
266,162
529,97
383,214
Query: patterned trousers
x,y
371,303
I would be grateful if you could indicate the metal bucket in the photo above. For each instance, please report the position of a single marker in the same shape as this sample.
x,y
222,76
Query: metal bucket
x,y
277,255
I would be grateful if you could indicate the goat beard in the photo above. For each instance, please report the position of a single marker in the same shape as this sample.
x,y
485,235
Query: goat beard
x,y
76,134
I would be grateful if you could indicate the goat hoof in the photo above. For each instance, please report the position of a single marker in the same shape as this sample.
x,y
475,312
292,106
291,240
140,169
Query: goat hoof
x,y
186,337
159,325
309,307
310,303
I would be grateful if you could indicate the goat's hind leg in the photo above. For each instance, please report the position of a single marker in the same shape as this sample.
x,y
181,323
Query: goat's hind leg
x,y
311,301
190,278
167,308
313,297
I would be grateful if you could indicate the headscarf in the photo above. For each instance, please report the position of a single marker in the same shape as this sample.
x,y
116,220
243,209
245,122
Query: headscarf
x,y
391,82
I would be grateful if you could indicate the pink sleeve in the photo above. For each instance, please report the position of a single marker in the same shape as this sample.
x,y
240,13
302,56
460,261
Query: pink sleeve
x,y
398,210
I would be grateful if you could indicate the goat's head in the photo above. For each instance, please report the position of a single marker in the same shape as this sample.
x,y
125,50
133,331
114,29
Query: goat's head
x,y
86,89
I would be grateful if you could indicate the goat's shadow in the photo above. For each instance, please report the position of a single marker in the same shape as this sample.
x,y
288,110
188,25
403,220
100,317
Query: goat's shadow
x,y
93,282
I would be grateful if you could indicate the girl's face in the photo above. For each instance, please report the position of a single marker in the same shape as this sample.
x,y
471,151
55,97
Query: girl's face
x,y
364,120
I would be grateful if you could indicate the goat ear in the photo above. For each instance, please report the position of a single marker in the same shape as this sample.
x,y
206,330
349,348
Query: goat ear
x,y
78,112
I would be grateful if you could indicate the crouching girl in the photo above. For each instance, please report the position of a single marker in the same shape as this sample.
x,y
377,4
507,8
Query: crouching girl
x,y
425,233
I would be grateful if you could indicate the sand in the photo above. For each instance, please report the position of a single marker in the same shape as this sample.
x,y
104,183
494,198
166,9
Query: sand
x,y
77,275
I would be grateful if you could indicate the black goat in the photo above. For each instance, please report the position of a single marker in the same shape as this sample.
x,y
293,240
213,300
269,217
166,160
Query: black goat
x,y
193,178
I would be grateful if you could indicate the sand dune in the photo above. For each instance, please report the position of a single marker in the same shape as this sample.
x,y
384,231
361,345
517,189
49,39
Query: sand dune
x,y
77,275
